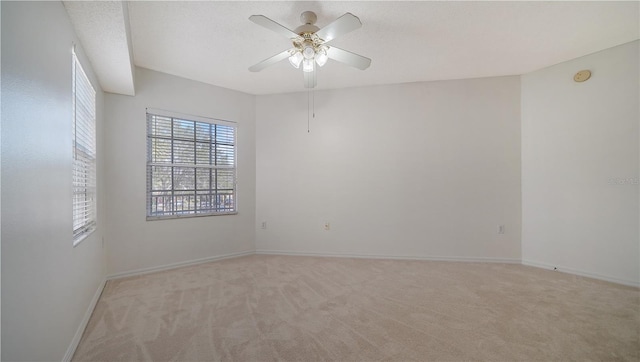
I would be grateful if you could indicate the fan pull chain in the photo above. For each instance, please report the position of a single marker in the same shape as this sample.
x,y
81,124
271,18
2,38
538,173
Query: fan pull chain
x,y
311,103
308,109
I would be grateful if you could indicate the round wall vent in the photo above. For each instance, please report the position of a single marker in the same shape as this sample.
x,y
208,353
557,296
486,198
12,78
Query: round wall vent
x,y
582,75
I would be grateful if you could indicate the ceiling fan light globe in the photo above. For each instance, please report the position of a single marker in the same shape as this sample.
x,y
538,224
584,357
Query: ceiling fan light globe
x,y
308,52
321,58
307,65
295,59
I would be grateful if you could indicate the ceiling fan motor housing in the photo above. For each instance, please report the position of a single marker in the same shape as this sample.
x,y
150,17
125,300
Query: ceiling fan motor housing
x,y
306,28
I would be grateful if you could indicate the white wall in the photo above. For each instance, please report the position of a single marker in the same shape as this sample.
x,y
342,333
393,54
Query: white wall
x,y
134,243
47,284
422,170
580,161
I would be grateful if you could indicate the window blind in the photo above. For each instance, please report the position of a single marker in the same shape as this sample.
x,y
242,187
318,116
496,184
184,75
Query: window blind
x,y
84,153
191,167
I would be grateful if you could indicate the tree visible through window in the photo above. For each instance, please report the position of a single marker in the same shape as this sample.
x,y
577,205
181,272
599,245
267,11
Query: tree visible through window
x,y
191,167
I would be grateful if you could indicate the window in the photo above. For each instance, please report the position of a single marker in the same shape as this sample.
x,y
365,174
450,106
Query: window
x,y
84,154
191,166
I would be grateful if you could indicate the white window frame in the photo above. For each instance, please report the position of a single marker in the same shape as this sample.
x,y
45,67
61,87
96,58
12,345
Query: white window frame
x,y
201,200
84,154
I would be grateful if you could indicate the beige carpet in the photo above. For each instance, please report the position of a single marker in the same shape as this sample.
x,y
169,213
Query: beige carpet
x,y
264,308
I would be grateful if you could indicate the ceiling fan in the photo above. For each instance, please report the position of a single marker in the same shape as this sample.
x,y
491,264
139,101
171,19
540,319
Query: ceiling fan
x,y
310,46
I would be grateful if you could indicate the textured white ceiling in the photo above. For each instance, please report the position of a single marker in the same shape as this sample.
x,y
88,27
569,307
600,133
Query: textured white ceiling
x,y
102,27
214,42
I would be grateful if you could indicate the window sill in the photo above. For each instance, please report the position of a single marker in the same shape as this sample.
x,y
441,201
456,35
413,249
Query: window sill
x,y
80,238
189,216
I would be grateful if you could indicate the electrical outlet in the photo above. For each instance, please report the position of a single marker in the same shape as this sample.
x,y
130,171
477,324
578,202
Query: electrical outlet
x,y
327,225
500,229
264,225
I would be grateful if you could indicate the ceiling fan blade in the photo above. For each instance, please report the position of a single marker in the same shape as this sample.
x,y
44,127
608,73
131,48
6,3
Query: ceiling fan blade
x,y
270,61
310,79
273,26
342,25
349,58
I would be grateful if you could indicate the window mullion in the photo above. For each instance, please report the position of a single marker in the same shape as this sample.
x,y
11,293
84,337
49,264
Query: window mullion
x,y
173,185
214,171
211,180
195,168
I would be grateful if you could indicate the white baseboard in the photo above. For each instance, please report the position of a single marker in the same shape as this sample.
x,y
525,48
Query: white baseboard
x,y
396,257
177,265
83,324
582,273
